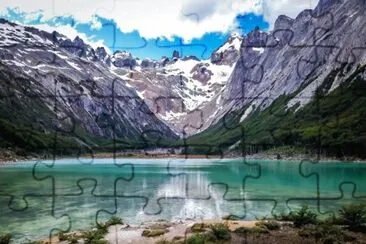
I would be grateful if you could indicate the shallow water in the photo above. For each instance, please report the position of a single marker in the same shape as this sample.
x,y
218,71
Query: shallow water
x,y
37,198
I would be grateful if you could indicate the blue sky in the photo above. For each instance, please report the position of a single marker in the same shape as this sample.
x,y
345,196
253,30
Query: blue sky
x,y
115,39
148,28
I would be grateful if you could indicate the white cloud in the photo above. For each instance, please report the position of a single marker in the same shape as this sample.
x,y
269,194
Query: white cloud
x,y
163,18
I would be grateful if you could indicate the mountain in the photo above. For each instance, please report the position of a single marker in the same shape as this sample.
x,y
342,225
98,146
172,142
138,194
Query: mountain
x,y
61,94
300,85
175,88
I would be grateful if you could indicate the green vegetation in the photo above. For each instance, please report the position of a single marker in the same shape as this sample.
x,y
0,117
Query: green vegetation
x,y
197,239
114,220
302,217
30,127
353,215
95,236
254,230
5,239
333,124
63,236
269,224
221,231
175,240
154,232
98,231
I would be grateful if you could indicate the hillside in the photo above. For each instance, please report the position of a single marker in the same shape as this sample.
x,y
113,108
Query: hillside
x,y
304,89
61,96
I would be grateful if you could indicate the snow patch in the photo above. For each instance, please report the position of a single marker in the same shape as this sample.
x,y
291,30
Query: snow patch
x,y
258,49
246,113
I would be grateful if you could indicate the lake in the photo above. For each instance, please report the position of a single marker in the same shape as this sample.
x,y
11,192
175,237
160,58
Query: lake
x,y
69,194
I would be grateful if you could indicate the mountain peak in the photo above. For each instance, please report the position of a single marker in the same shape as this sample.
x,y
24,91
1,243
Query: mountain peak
x,y
229,52
283,22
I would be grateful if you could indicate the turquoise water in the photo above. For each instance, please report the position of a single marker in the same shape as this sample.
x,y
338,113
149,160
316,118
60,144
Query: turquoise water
x,y
39,197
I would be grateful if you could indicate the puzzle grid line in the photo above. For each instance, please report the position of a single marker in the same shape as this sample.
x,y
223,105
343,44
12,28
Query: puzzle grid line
x,y
116,149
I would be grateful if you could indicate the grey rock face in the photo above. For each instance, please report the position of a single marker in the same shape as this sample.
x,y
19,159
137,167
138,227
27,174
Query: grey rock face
x,y
123,59
229,53
148,63
191,57
201,73
175,54
296,52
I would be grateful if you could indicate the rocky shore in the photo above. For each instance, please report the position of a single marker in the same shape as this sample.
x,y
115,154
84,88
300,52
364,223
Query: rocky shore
x,y
213,231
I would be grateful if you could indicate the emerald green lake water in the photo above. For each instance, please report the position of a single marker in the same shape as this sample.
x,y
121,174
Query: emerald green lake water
x,y
69,194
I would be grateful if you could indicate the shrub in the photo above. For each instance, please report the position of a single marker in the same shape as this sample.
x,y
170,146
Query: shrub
x,y
254,230
325,234
221,231
154,232
302,217
270,225
73,240
114,220
62,236
93,236
196,239
5,239
353,215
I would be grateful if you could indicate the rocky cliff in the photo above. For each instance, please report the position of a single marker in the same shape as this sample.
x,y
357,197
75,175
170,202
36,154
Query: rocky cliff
x,y
290,85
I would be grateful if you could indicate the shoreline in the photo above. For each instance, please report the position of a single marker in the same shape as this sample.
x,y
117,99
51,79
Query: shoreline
x,y
259,156
210,231
178,230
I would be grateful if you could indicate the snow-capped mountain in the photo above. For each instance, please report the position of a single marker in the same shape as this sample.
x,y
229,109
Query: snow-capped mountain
x,y
241,84
297,85
174,88
74,88
311,46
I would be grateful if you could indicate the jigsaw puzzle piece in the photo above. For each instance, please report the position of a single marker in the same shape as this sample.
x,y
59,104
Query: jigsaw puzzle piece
x,y
214,206
16,191
115,45
319,24
67,174
331,181
90,198
25,225
258,190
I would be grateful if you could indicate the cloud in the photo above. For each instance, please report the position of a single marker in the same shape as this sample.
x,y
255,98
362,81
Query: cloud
x,y
162,18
